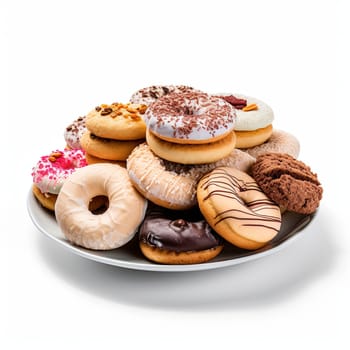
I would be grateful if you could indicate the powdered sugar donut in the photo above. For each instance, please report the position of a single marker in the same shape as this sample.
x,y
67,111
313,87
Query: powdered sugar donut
x,y
173,185
51,171
152,93
190,118
279,142
74,132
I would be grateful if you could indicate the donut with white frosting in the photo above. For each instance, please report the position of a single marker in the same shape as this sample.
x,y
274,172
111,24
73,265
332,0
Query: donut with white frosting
x,y
74,132
51,171
150,94
190,118
254,119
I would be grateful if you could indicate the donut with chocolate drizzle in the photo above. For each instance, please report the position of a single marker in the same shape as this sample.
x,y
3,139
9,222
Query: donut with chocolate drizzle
x,y
178,237
237,209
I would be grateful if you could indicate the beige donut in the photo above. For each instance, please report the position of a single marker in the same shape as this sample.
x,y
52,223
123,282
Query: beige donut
x,y
117,121
252,138
237,209
90,159
279,142
107,148
46,199
191,153
111,229
172,185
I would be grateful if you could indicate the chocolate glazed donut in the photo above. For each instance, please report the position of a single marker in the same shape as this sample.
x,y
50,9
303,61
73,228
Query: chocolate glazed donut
x,y
178,237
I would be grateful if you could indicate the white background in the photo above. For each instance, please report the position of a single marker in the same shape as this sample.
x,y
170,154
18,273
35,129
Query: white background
x,y
60,59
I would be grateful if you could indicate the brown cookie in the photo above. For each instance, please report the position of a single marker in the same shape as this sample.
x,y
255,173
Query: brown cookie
x,y
288,181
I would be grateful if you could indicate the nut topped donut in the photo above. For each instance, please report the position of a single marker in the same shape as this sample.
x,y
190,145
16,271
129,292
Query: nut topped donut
x,y
190,118
150,94
117,121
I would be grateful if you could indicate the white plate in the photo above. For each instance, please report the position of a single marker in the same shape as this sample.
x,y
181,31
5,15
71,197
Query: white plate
x,y
130,256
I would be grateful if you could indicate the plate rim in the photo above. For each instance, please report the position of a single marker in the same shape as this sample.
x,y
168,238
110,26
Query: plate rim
x,y
149,266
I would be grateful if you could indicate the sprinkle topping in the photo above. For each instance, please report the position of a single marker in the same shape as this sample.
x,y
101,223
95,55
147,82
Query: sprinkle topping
x,y
52,170
196,116
150,94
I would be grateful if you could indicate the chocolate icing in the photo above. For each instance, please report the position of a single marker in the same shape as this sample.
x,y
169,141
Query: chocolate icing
x,y
228,186
179,231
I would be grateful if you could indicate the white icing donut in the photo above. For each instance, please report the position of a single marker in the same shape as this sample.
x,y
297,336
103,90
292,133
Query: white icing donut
x,y
150,94
74,132
111,229
52,170
253,119
190,116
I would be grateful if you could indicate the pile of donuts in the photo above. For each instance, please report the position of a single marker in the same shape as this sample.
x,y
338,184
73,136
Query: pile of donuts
x,y
183,171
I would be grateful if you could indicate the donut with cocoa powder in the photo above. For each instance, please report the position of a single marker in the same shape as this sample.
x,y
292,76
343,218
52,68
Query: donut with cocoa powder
x,y
288,182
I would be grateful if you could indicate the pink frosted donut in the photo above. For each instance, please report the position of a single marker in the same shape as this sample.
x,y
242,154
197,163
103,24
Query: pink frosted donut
x,y
279,142
150,94
74,132
52,170
190,117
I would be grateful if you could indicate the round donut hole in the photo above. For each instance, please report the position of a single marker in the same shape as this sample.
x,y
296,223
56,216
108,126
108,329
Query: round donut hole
x,y
98,204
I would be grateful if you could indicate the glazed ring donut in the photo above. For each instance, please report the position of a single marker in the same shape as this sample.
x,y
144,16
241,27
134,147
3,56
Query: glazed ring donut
x,y
279,142
117,121
237,209
111,229
178,237
190,118
191,154
74,132
173,185
107,148
150,94
51,171
254,119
